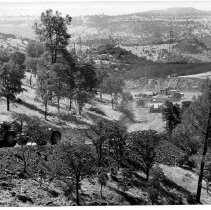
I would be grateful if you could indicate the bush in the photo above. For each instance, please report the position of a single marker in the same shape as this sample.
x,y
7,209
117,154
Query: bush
x,y
140,102
97,110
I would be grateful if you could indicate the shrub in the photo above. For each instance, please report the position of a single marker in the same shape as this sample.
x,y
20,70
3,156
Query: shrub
x,y
97,110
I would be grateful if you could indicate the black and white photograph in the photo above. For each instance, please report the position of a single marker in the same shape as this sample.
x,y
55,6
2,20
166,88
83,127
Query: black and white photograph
x,y
105,103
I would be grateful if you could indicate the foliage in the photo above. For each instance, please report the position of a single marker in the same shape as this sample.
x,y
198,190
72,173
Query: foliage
x,y
102,179
97,110
66,70
75,163
85,81
142,145
31,64
53,31
10,81
127,111
167,152
45,82
4,56
176,96
196,121
127,97
109,141
171,114
86,78
185,140
18,58
113,86
155,185
101,76
35,49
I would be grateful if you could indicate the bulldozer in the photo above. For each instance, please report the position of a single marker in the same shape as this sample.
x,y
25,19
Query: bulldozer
x,y
12,132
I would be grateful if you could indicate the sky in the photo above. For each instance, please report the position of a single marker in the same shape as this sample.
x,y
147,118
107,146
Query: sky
x,y
87,7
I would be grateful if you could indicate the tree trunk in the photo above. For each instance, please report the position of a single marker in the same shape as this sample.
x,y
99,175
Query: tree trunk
x,y
112,101
101,190
80,106
100,157
101,95
198,194
79,110
8,103
46,109
77,193
30,81
70,104
147,173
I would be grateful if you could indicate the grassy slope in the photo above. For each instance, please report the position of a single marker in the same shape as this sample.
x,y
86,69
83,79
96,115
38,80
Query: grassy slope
x,y
178,186
73,121
186,179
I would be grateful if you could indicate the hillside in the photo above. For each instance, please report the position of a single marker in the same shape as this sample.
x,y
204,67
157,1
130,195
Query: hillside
x,y
114,114
146,34
178,188
12,43
71,124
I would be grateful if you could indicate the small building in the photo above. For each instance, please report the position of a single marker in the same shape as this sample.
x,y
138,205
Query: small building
x,y
155,107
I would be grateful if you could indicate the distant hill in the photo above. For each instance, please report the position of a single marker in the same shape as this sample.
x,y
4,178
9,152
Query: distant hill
x,y
177,36
177,11
12,43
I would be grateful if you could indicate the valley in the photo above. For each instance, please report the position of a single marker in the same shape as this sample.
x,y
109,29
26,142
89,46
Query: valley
x,y
105,109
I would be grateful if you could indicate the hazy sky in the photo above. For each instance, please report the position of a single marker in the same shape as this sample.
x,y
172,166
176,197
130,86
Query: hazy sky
x,y
85,7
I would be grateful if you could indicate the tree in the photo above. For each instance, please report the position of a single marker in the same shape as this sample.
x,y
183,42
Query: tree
x,y
53,32
31,64
18,58
58,86
45,82
99,138
67,74
24,157
102,179
108,138
35,49
101,76
76,162
171,114
4,56
196,119
142,145
113,85
117,135
10,81
184,138
85,84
